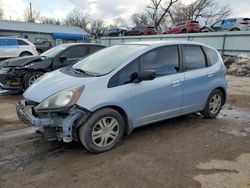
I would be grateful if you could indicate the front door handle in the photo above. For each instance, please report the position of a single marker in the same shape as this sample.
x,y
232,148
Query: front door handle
x,y
176,83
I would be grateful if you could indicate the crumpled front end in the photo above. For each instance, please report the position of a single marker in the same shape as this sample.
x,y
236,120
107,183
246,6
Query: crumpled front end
x,y
10,79
56,125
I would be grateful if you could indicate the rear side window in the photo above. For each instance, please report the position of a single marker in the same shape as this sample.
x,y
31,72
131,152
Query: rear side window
x,y
163,60
193,57
8,42
21,42
212,56
93,48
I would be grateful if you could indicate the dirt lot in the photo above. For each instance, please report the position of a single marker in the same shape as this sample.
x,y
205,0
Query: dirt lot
x,y
183,152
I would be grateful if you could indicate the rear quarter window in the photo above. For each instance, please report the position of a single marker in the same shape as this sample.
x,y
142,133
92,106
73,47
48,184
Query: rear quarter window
x,y
22,43
212,55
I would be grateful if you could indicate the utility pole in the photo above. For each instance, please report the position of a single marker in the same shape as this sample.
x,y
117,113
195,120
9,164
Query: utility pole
x,y
30,12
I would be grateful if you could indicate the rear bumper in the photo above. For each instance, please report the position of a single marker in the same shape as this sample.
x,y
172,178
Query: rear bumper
x,y
62,124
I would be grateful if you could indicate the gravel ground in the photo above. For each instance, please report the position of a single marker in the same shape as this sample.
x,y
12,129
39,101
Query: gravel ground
x,y
183,152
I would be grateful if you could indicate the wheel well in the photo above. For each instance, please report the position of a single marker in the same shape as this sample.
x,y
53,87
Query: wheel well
x,y
25,52
235,28
224,93
123,113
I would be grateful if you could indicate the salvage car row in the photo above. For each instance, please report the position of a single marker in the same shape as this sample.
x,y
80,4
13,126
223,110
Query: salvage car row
x,y
17,74
231,24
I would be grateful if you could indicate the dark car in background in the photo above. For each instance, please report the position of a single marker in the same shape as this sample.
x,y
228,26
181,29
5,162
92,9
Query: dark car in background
x,y
183,27
231,24
18,74
43,46
142,30
115,32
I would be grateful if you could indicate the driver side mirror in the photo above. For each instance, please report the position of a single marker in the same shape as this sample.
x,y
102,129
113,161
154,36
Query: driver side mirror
x,y
144,75
62,58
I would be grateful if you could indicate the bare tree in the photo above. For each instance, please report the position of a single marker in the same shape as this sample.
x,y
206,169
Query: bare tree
x,y
78,18
96,23
46,20
31,15
205,11
139,19
157,11
1,13
118,22
1,10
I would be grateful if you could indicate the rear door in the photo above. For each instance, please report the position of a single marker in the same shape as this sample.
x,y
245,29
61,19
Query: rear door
x,y
73,54
2,49
12,48
197,78
160,98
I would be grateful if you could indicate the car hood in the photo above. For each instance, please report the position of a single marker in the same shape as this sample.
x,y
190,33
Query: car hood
x,y
20,61
52,83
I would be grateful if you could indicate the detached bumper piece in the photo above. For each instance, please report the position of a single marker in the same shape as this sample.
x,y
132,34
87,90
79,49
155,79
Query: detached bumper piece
x,y
58,125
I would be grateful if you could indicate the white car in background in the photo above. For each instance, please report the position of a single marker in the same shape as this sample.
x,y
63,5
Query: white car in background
x,y
16,47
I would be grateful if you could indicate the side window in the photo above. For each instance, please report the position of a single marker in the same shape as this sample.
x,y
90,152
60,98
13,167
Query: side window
x,y
21,42
75,52
193,57
9,42
211,55
217,24
229,22
94,48
124,76
164,60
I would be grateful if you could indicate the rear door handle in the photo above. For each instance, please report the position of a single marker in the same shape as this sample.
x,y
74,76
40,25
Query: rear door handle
x,y
176,83
210,74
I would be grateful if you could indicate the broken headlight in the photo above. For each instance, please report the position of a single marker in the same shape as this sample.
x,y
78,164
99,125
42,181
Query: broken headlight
x,y
62,99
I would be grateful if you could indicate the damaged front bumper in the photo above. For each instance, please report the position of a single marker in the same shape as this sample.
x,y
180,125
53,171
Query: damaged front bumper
x,y
9,80
56,125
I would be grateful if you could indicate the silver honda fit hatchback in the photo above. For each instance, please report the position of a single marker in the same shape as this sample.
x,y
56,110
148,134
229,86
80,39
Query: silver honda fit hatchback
x,y
106,95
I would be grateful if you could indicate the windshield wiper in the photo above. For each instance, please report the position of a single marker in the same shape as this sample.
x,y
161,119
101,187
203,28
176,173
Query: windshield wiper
x,y
80,71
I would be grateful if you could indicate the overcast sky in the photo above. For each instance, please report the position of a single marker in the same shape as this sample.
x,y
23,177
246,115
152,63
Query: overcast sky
x,y
99,9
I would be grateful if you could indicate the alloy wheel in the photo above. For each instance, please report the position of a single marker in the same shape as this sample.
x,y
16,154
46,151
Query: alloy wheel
x,y
215,104
105,132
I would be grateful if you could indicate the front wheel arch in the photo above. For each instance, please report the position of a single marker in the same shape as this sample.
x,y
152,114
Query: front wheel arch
x,y
128,125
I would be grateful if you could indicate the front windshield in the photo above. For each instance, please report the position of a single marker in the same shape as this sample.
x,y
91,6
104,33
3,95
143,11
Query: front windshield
x,y
54,51
106,60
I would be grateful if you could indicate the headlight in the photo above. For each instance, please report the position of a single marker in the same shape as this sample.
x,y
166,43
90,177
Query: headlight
x,y
62,99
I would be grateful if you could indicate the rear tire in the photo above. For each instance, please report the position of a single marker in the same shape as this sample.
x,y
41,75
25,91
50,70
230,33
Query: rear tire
x,y
30,77
102,131
25,54
214,103
184,31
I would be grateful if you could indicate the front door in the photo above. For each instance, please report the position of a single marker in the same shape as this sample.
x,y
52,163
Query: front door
x,y
160,98
72,54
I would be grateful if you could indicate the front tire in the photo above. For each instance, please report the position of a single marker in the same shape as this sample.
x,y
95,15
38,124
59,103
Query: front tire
x,y
30,78
214,104
102,131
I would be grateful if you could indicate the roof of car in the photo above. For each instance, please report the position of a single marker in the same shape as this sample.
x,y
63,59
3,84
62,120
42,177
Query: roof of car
x,y
158,43
75,44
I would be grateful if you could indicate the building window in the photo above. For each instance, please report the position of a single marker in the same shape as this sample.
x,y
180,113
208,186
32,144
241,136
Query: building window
x,y
26,36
